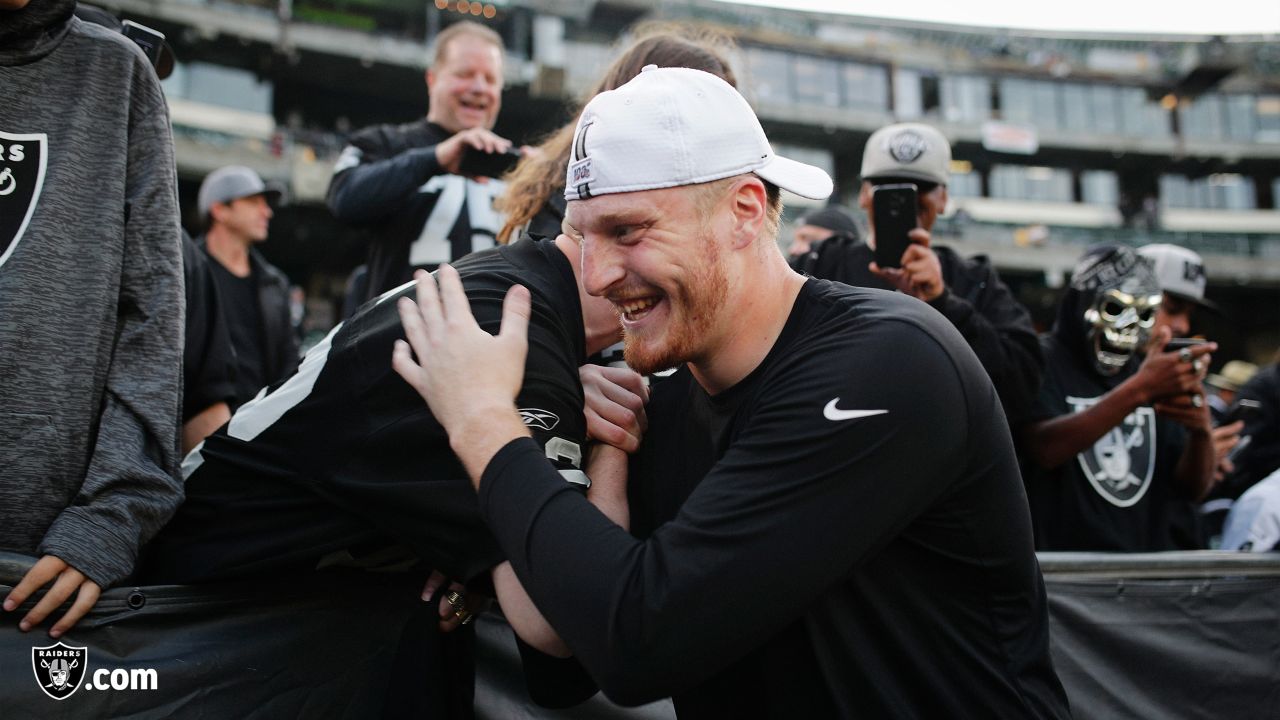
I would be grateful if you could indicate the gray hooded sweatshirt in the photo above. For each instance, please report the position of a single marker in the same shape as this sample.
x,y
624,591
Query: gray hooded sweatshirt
x,y
91,299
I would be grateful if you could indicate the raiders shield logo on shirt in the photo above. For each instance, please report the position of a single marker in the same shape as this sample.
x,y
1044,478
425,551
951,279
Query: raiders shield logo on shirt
x,y
1121,462
22,164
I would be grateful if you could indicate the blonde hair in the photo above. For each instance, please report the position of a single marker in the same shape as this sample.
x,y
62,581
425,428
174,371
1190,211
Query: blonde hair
x,y
533,182
459,29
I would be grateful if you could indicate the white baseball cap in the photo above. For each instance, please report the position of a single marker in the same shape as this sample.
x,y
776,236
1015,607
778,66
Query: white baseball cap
x,y
669,127
1179,271
910,151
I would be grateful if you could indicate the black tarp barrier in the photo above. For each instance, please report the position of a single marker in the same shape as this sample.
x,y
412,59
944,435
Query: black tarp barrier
x,y
1168,635
323,649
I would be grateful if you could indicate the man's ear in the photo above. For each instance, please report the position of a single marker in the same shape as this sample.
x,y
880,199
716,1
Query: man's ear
x,y
750,209
431,78
216,211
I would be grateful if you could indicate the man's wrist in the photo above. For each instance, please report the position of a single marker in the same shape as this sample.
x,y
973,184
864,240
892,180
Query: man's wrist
x,y
1200,432
481,432
1134,392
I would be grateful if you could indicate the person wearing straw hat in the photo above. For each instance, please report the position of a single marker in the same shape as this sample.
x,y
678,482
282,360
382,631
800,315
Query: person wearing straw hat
x,y
1226,383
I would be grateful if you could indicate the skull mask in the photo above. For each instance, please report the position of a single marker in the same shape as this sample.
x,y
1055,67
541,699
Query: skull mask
x,y
1119,318
1119,323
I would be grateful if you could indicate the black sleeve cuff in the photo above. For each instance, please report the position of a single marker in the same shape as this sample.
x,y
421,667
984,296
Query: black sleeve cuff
x,y
424,162
517,481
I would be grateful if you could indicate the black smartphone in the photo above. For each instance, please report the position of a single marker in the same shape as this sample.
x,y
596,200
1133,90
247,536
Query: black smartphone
x,y
894,208
1177,344
477,163
151,41
1246,409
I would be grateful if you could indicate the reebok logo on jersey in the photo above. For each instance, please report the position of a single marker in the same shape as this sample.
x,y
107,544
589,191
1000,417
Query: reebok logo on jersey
x,y
835,414
541,419
22,166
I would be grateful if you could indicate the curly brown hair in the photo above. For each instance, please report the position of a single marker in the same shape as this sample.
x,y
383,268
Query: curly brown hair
x,y
532,182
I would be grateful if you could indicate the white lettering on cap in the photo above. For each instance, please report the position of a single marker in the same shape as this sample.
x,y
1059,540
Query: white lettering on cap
x,y
580,172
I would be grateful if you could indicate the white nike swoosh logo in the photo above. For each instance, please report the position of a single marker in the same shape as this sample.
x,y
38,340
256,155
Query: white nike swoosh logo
x,y
831,412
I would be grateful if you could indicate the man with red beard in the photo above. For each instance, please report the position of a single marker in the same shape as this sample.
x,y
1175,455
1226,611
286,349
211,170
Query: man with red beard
x,y
828,516
406,183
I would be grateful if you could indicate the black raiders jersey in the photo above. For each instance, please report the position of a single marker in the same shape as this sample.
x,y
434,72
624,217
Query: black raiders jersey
x,y
388,179
1113,496
344,458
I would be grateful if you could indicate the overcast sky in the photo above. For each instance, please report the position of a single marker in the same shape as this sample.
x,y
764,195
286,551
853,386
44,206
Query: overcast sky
x,y
1167,16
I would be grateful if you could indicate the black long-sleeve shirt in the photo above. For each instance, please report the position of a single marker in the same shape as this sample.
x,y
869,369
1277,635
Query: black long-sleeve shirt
x,y
994,324
842,533
388,179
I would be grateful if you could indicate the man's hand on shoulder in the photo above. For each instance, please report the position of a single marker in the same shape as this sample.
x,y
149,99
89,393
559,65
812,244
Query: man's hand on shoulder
x,y
450,152
67,581
468,377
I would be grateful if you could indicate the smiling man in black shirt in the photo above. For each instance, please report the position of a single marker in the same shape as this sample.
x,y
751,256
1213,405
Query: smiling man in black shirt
x,y
407,183
831,515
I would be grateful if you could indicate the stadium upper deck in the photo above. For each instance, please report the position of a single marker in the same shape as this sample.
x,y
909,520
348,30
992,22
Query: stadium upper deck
x,y
1060,139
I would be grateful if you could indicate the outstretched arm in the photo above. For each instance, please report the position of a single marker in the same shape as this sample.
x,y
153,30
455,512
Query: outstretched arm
x,y
367,186
1162,375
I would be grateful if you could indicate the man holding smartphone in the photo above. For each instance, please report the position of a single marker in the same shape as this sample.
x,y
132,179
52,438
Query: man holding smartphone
x,y
1182,277
1116,439
904,190
424,188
